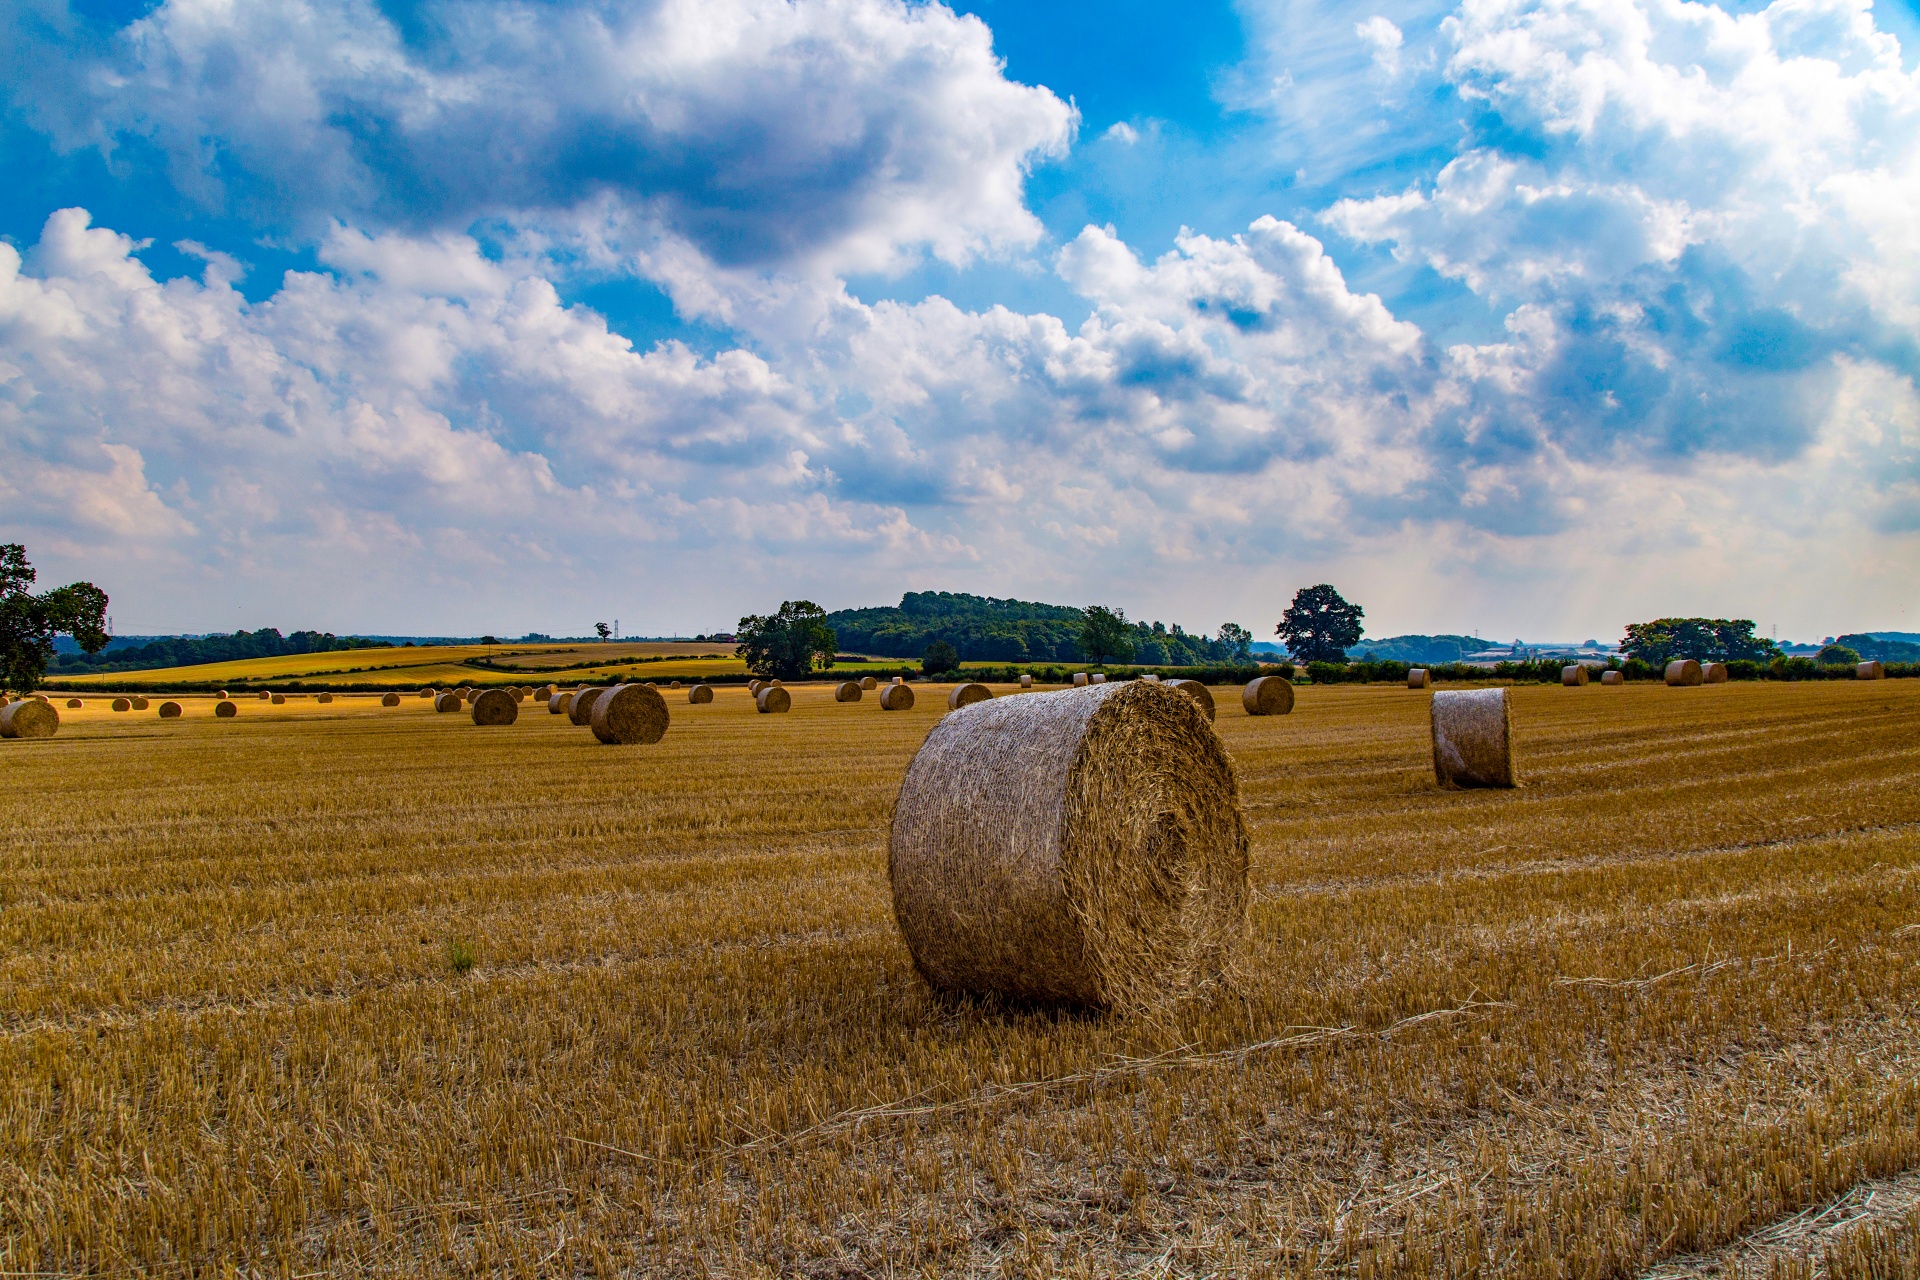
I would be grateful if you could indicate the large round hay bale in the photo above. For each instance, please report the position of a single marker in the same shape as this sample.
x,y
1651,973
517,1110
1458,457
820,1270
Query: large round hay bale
x,y
1472,738
29,719
965,695
558,703
448,702
897,697
1198,692
1874,670
630,714
868,682
123,704
140,704
1084,847
226,710
1574,675
846,691
1098,677
278,700
324,699
1685,673
1080,680
389,699
1026,680
700,693
1714,673
495,706
74,704
1268,696
772,699
1418,677
1613,677
169,711
580,710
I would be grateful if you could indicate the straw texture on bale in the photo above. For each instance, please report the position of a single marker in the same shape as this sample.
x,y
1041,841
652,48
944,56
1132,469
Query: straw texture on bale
x,y
122,704
29,719
896,697
1870,671
558,703
141,704
965,695
772,699
1418,678
1612,677
630,714
448,702
1576,674
1026,680
1685,673
1198,692
868,682
700,693
389,699
580,710
226,710
169,711
1472,738
1084,847
846,691
75,704
495,706
1714,673
1268,696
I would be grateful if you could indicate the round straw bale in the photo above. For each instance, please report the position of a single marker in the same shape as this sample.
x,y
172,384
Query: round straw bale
x,y
1612,677
221,695
1870,671
630,714
846,691
1472,738
429,693
324,698
1098,677
965,695
772,699
41,697
495,706
1684,673
868,682
897,697
700,693
74,704
1151,678
1268,696
1418,677
140,704
674,685
1080,680
278,699
1198,692
122,704
580,710
775,683
169,711
753,687
226,710
265,694
1084,847
558,703
1714,673
1573,675
448,701
1026,680
29,719
899,679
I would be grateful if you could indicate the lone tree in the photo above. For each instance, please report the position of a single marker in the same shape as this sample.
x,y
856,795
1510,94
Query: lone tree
x,y
1659,642
1104,635
1837,655
602,630
28,622
1239,642
939,658
789,644
1320,626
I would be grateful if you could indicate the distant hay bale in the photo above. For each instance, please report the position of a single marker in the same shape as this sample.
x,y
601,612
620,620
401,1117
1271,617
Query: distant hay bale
x,y
123,704
965,695
1198,692
545,692
226,710
1574,675
41,697
1151,678
324,698
754,687
265,695
389,699
1714,673
558,703
222,695
1080,680
630,714
846,691
700,693
74,704
896,697
429,692
169,711
1472,738
278,700
775,683
868,682
1268,696
140,704
674,685
580,710
1083,847
495,707
30,718
899,679
1685,673
1418,678
1874,670
1098,677
1613,677
448,702
772,699
1026,680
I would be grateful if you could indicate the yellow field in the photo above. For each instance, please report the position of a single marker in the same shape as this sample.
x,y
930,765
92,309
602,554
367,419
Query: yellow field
x,y
1661,997
439,665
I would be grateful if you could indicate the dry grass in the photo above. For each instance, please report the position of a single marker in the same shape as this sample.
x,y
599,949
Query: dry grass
x,y
364,990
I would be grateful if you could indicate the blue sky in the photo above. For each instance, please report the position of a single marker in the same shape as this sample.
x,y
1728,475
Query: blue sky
x,y
1510,316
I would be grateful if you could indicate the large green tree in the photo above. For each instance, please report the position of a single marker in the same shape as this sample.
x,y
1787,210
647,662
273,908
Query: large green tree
x,y
1238,642
29,622
1105,635
1659,642
1320,625
788,644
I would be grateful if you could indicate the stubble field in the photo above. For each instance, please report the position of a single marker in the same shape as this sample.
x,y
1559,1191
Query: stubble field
x,y
1658,999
